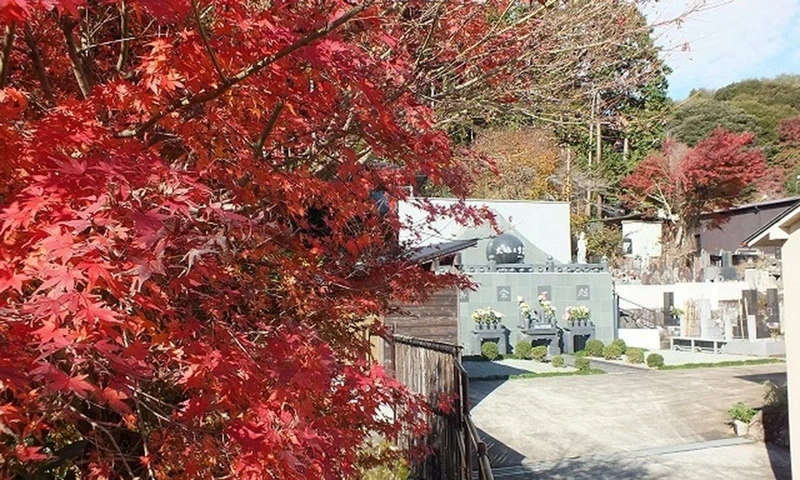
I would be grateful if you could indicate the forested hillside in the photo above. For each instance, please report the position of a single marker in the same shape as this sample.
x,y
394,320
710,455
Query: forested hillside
x,y
769,108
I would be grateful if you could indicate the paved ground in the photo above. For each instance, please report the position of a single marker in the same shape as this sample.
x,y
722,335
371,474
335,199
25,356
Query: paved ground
x,y
483,369
594,417
715,460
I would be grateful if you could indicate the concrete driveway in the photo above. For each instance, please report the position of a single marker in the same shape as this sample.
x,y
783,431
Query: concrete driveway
x,y
637,415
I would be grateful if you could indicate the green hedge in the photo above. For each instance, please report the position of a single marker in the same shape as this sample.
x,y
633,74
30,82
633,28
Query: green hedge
x,y
612,352
523,349
620,343
490,350
557,361
594,348
539,353
634,355
583,363
655,360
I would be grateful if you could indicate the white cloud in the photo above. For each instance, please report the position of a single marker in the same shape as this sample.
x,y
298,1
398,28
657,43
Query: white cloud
x,y
727,41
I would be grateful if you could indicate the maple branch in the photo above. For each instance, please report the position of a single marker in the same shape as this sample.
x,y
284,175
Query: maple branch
x,y
124,33
207,43
95,424
273,119
206,96
5,61
38,65
67,26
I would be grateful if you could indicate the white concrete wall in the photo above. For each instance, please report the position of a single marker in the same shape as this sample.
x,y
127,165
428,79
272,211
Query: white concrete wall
x,y
647,338
652,296
645,238
791,294
544,224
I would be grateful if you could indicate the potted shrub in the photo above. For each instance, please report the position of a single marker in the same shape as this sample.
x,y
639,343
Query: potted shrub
x,y
741,415
487,319
676,313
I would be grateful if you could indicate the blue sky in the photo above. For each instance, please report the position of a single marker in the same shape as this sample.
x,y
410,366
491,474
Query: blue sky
x,y
727,40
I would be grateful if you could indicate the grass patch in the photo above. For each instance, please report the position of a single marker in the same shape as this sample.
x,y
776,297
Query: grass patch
x,y
593,371
728,363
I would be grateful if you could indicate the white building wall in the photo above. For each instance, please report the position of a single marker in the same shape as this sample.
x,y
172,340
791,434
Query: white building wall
x,y
645,238
647,338
652,296
544,224
791,293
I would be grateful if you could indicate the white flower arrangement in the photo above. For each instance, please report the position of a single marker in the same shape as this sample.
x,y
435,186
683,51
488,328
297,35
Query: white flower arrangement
x,y
548,311
487,316
525,309
581,312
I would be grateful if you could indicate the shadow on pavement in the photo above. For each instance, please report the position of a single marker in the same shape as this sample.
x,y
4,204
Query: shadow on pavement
x,y
482,371
485,377
500,454
480,389
780,461
591,468
778,378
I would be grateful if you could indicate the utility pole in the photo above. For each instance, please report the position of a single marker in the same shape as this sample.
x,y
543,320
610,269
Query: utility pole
x,y
591,144
599,160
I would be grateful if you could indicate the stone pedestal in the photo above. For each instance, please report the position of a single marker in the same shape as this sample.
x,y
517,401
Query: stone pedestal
x,y
539,333
578,329
491,333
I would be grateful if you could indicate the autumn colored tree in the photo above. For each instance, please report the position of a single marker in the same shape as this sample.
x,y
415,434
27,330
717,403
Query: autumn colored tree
x,y
787,160
525,164
680,183
190,237
189,241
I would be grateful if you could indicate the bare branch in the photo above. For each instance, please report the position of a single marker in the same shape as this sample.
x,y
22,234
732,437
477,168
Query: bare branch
x,y
67,26
38,65
208,95
5,61
124,33
273,119
207,43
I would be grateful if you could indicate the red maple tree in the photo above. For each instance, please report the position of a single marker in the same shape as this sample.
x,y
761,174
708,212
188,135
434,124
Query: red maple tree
x,y
190,241
679,184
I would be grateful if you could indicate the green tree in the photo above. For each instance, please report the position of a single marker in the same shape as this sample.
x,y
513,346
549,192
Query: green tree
x,y
694,120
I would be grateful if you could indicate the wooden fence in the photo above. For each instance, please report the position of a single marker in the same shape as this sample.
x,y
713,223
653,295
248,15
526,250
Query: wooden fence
x,y
434,370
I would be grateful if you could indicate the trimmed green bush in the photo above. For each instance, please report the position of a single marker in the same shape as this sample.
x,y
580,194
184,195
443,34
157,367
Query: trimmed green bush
x,y
583,363
557,361
612,352
523,349
655,360
580,354
635,355
490,350
538,353
621,344
594,348
742,412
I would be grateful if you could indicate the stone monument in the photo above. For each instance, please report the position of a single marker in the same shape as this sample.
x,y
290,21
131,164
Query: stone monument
x,y
581,248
